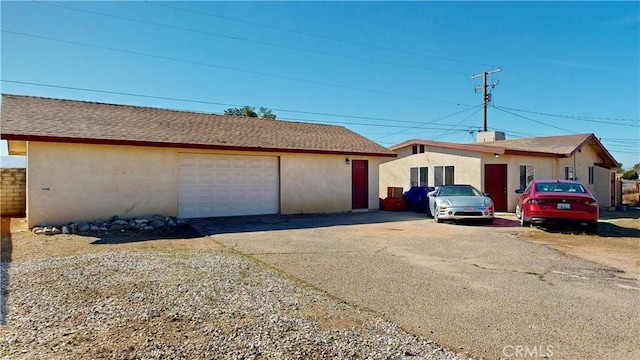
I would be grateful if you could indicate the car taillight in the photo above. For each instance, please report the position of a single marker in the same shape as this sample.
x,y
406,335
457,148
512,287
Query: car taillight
x,y
591,203
534,201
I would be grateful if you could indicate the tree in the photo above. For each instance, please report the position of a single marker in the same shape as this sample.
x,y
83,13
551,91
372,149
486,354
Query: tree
x,y
636,167
619,170
250,111
630,175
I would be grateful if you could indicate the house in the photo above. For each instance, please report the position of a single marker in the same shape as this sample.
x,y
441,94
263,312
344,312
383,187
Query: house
x,y
499,167
89,160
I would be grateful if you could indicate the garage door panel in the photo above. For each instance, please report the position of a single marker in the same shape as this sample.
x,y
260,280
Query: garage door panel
x,y
227,185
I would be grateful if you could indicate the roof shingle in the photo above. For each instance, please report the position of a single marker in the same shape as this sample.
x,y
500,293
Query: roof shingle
x,y
46,119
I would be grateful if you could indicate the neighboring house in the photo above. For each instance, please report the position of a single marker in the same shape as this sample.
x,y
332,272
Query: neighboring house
x,y
500,167
92,160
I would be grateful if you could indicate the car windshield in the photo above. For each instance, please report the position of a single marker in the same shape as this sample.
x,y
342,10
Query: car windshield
x,y
560,187
459,191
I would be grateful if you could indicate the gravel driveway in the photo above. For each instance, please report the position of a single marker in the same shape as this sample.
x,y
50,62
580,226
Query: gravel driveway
x,y
349,286
480,290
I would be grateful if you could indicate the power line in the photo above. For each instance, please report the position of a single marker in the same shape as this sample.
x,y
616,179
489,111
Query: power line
x,y
536,121
164,4
227,104
236,38
577,117
232,68
430,122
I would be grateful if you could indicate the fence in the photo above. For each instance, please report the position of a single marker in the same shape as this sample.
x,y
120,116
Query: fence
x,y
13,199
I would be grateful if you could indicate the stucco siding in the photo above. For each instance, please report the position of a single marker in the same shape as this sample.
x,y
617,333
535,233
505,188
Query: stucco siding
x,y
76,182
601,188
469,169
320,184
397,173
80,182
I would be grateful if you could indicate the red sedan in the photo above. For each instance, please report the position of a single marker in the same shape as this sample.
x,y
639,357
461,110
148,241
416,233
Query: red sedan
x,y
557,201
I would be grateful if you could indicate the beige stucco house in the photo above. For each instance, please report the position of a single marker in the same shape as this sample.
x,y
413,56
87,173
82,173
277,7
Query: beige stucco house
x,y
500,167
93,160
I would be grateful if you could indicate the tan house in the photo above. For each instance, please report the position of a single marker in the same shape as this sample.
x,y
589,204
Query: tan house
x,y
93,160
500,167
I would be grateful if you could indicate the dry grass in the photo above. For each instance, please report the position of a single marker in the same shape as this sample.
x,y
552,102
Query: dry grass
x,y
630,195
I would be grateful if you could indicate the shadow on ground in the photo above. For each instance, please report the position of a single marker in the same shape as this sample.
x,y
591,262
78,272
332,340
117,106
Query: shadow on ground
x,y
213,226
605,229
185,232
6,251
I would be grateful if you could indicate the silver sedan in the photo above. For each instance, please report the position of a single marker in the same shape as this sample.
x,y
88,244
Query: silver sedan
x,y
460,202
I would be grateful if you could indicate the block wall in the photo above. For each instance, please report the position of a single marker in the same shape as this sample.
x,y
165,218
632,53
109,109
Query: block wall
x,y
13,184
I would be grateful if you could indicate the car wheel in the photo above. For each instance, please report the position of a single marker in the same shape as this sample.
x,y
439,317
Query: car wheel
x,y
523,222
592,228
436,218
518,213
488,221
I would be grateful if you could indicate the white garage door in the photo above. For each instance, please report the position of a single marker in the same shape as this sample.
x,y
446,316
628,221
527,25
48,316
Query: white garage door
x,y
227,185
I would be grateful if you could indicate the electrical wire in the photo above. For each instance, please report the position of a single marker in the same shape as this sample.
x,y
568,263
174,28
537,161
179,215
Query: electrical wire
x,y
237,38
215,103
576,117
164,4
315,82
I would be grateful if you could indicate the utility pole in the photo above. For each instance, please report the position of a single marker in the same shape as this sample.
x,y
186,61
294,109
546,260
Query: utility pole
x,y
484,86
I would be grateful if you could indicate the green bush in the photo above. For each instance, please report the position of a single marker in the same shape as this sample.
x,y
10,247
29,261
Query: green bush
x,y
630,175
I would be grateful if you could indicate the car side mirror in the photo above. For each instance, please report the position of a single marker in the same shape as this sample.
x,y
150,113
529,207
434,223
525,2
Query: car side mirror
x,y
433,194
519,191
487,194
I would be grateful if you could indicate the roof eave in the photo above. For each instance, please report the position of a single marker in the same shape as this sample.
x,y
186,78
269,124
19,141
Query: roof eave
x,y
72,140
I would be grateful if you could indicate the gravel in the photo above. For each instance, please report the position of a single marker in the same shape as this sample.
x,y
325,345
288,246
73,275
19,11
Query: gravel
x,y
185,304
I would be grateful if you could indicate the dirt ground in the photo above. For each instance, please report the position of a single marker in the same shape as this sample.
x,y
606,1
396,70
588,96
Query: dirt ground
x,y
617,243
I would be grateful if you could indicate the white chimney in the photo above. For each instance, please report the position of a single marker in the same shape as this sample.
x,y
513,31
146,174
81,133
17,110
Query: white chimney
x,y
486,136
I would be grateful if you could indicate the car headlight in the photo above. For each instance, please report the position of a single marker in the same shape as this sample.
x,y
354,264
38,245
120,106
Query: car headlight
x,y
488,202
444,203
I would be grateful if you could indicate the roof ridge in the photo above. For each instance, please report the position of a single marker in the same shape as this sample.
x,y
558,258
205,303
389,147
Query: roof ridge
x,y
167,109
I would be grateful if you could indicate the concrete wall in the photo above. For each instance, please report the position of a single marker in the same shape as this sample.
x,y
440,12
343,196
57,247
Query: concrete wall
x,y
13,192
80,182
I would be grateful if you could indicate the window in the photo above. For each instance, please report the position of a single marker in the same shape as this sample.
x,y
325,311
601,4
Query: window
x,y
414,149
591,174
568,173
526,175
419,176
421,149
443,175
448,175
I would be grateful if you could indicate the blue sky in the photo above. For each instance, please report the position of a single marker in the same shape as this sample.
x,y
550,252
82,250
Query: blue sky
x,y
391,71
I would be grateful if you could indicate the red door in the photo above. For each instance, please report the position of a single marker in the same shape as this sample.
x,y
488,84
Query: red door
x,y
359,184
495,183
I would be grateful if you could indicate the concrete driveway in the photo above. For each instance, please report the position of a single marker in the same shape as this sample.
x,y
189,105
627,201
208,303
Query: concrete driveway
x,y
472,288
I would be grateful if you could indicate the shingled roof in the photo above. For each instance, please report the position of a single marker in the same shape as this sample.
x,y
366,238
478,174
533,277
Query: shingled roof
x,y
56,120
562,146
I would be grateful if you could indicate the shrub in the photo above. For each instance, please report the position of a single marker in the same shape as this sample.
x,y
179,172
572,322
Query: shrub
x,y
630,175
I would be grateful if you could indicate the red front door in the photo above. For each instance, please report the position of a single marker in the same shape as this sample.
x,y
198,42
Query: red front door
x,y
495,183
359,184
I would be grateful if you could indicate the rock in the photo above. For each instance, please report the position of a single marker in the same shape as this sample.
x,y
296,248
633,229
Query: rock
x,y
83,227
65,229
120,222
141,221
115,227
94,227
38,230
157,224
